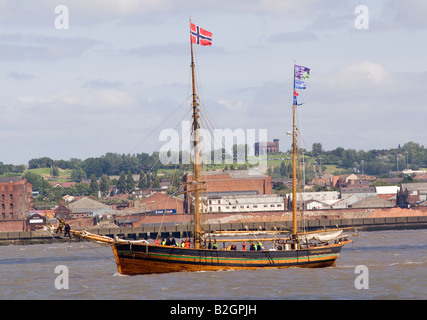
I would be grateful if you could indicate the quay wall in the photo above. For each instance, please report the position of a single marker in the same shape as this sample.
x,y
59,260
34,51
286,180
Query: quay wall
x,y
151,231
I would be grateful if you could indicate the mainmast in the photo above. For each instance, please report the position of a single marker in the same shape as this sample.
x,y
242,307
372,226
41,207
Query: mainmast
x,y
294,170
300,74
196,148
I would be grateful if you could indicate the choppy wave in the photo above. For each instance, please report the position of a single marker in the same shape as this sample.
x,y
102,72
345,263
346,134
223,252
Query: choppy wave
x,y
395,260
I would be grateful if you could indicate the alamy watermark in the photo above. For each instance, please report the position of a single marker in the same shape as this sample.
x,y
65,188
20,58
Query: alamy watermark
x,y
62,281
220,146
362,280
362,19
62,20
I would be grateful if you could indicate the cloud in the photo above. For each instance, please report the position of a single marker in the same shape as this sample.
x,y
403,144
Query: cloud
x,y
232,105
99,83
83,12
296,36
88,121
367,75
329,20
91,99
42,12
35,47
19,75
410,14
361,105
364,106
155,50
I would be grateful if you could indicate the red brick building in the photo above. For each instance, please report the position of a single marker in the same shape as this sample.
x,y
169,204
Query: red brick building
x,y
231,183
16,198
62,212
411,194
159,202
267,147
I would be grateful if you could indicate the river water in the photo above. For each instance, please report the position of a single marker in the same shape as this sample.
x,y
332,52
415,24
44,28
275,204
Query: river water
x,y
395,268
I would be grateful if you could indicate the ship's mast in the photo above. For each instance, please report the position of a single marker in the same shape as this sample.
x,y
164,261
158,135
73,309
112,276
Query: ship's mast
x,y
196,148
294,170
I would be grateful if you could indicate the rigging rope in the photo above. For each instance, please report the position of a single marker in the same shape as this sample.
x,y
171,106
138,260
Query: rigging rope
x,y
85,242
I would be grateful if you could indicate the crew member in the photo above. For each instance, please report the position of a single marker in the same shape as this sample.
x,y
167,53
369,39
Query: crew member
x,y
61,225
67,230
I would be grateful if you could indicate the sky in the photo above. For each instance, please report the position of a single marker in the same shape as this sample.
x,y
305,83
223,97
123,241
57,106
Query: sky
x,y
109,76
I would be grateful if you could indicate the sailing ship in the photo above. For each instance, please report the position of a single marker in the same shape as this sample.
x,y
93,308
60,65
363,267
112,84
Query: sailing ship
x,y
294,249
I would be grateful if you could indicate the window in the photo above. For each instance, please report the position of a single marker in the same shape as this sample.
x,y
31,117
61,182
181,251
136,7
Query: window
x,y
11,196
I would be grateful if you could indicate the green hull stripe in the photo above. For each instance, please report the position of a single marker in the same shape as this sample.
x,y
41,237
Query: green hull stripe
x,y
214,259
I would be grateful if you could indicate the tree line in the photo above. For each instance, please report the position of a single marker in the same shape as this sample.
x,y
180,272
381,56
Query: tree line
x,y
373,162
110,164
380,163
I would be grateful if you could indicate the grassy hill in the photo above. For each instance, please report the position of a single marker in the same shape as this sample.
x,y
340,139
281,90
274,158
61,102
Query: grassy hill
x,y
64,175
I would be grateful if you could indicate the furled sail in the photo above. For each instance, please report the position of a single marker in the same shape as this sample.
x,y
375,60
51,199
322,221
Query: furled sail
x,y
242,233
321,236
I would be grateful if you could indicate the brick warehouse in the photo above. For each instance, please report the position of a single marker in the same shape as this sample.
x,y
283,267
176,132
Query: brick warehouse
x,y
267,147
229,183
16,198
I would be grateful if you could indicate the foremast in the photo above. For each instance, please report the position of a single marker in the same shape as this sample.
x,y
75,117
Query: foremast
x,y
197,155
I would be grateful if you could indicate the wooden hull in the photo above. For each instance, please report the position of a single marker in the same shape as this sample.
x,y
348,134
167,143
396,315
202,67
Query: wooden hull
x,y
133,259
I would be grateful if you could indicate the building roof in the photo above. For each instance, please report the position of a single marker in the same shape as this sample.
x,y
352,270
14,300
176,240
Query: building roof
x,y
10,179
233,174
255,199
387,189
414,186
220,183
358,189
372,202
160,201
321,195
87,205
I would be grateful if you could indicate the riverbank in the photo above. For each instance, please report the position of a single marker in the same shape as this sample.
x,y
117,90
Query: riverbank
x,y
372,221
243,217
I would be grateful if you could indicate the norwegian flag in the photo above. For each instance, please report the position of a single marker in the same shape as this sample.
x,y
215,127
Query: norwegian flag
x,y
200,36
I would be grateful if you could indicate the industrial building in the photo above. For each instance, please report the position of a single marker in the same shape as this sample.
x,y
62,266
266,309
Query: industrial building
x,y
16,198
244,203
236,183
264,148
